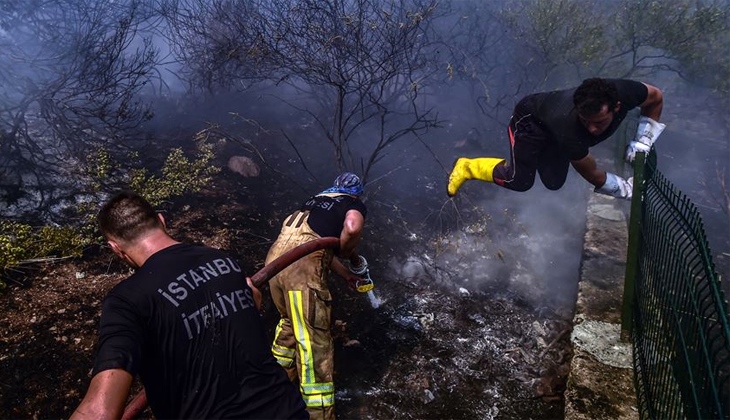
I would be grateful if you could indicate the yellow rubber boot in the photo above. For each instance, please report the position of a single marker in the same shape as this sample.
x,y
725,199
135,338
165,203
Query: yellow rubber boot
x,y
465,169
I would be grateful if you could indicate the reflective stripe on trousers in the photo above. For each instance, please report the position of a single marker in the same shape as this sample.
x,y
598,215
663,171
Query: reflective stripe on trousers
x,y
284,355
303,341
314,394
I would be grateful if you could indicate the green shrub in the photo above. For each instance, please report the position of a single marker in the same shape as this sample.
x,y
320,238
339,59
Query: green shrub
x,y
179,174
21,242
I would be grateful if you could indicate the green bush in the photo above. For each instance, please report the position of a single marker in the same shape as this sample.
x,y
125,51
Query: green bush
x,y
21,242
179,174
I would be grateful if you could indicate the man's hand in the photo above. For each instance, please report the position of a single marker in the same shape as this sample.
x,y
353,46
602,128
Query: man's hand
x,y
646,135
256,293
633,148
339,268
649,130
352,280
617,187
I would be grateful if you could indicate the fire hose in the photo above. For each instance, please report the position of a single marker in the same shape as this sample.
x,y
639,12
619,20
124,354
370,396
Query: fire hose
x,y
139,402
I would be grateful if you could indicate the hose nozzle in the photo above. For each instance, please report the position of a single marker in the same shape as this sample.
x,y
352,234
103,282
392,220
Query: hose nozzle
x,y
358,269
365,284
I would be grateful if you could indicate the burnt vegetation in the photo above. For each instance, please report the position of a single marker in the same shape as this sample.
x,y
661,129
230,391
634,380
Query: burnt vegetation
x,y
77,76
158,95
70,83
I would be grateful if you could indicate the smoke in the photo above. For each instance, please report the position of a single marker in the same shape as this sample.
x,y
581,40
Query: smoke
x,y
694,155
526,245
490,238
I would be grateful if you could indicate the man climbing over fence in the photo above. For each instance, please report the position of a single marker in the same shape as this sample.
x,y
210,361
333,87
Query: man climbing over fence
x,y
303,342
549,130
187,322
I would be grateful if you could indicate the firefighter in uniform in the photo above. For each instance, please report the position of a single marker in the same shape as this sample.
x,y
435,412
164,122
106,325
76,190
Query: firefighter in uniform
x,y
303,341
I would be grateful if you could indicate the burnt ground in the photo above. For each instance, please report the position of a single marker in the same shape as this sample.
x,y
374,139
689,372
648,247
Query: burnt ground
x,y
438,346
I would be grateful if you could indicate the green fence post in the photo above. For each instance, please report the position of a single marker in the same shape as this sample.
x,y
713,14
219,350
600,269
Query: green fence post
x,y
632,255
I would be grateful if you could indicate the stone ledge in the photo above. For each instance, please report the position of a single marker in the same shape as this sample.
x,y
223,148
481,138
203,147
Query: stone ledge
x,y
600,384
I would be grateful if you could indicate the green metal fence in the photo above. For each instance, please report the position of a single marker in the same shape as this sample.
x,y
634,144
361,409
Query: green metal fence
x,y
677,315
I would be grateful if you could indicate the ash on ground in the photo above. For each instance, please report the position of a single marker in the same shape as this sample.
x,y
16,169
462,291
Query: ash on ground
x,y
461,333
465,328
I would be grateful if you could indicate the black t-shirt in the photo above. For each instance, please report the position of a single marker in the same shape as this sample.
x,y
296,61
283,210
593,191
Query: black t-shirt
x,y
186,322
557,115
327,212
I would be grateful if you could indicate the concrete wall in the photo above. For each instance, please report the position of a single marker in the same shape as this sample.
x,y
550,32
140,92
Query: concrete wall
x,y
600,384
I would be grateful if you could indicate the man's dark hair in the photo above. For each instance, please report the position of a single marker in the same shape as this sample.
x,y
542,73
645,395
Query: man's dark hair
x,y
592,94
126,216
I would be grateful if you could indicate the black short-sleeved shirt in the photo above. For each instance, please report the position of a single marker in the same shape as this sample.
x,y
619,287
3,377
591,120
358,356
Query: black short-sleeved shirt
x,y
327,212
186,322
557,115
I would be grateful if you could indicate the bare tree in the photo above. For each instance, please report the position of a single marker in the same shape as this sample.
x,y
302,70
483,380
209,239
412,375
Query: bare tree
x,y
719,193
70,72
216,42
686,37
559,34
358,66
482,52
365,62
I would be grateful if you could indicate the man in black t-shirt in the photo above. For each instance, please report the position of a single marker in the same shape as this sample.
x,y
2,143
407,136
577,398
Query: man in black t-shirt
x,y
550,130
303,342
187,322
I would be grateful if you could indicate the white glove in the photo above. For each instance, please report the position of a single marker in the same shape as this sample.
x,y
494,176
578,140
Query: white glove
x,y
358,269
633,148
648,131
646,135
616,186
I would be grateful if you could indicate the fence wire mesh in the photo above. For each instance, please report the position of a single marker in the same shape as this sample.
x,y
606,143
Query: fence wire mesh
x,y
680,321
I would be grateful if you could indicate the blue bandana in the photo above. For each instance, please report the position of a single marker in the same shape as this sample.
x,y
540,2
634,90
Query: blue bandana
x,y
346,183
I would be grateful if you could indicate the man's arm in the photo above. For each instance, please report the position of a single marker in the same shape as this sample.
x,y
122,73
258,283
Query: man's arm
x,y
339,268
652,106
605,182
588,169
106,396
351,233
649,127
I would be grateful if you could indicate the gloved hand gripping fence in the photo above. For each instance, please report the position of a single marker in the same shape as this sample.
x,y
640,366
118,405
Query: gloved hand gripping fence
x,y
617,187
646,135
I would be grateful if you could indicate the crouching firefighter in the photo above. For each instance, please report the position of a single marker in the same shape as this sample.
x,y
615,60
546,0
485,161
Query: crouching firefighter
x,y
549,131
303,341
